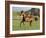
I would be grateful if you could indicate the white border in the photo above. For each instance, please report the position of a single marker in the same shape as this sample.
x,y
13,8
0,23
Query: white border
x,y
25,31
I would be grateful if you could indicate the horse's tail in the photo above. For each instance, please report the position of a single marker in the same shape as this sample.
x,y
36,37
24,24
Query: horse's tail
x,y
36,18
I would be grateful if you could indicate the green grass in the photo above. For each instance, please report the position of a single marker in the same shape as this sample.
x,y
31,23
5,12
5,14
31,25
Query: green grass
x,y
16,24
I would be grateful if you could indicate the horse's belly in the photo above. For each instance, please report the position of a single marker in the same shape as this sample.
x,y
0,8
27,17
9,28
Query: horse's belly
x,y
27,19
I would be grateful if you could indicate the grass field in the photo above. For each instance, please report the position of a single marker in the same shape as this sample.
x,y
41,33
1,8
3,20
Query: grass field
x,y
16,24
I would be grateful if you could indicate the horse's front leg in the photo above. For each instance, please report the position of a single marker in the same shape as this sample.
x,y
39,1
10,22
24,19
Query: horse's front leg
x,y
30,22
20,23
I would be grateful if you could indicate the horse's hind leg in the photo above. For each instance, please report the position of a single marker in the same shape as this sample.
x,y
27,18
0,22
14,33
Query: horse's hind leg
x,y
30,22
20,23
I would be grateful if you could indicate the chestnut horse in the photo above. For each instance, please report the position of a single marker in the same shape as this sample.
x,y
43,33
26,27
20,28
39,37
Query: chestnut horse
x,y
27,18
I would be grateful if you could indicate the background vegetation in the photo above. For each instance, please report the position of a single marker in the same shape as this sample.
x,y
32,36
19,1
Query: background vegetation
x,y
16,23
